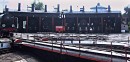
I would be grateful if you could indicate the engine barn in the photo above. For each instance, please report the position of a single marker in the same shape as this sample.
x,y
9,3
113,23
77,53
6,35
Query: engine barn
x,y
96,21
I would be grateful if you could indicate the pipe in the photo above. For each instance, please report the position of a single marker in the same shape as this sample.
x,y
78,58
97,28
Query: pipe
x,y
71,9
58,8
19,6
45,8
33,7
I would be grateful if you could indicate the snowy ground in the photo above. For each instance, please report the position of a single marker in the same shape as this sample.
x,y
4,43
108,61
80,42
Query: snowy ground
x,y
17,57
116,39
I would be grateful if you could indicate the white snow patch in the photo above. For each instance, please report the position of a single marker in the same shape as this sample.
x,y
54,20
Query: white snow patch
x,y
23,60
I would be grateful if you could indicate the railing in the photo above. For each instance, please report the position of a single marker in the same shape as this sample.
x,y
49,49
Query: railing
x,y
79,45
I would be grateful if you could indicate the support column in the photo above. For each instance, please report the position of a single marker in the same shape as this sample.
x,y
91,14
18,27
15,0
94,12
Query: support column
x,y
102,24
115,28
53,24
89,26
77,25
64,25
39,24
27,24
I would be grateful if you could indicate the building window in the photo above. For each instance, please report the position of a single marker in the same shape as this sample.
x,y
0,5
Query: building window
x,y
86,29
108,20
35,28
91,29
68,28
66,24
88,24
42,18
78,23
98,28
91,23
83,23
24,24
73,28
118,15
80,29
114,24
30,28
43,27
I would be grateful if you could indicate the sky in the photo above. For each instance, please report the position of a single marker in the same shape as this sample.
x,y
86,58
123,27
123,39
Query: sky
x,y
65,4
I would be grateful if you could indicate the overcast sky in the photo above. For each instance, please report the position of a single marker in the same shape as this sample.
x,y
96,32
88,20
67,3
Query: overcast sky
x,y
64,4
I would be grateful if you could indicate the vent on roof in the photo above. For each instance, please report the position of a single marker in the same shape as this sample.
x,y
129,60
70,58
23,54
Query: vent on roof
x,y
45,8
19,6
6,9
96,9
109,8
33,7
58,8
82,9
71,8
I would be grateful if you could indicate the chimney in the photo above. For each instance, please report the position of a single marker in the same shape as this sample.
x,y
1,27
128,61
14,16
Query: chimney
x,y
45,8
58,8
19,6
96,9
109,8
71,8
33,7
6,9
82,9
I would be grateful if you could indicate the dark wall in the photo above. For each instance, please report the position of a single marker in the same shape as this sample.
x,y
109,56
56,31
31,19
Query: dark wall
x,y
73,22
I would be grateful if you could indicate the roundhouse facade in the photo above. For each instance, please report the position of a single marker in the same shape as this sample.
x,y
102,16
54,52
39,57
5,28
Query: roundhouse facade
x,y
71,22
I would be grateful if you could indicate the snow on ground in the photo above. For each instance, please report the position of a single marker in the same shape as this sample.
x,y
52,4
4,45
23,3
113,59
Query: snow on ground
x,y
116,39
17,57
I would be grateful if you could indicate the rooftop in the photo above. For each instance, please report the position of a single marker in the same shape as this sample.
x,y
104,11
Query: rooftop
x,y
98,7
41,11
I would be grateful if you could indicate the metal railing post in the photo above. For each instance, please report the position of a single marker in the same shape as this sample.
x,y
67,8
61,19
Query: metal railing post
x,y
126,53
34,40
79,47
111,51
52,44
128,40
61,46
27,37
21,36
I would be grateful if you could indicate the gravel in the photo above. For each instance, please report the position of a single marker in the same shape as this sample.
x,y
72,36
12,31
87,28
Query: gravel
x,y
17,57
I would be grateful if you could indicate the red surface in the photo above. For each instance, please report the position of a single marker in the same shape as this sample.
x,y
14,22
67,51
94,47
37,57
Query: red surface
x,y
17,41
60,28
44,39
9,29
